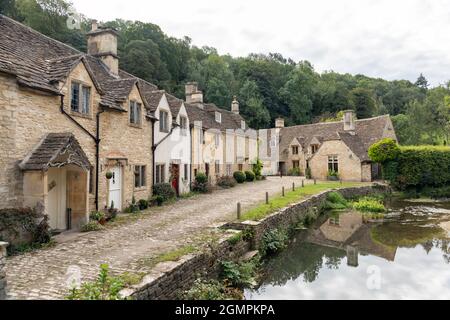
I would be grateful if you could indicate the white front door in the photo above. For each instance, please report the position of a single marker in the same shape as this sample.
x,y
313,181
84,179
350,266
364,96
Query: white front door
x,y
115,188
56,211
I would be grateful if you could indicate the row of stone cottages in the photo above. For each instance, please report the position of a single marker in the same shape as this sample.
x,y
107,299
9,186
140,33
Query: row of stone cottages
x,y
70,120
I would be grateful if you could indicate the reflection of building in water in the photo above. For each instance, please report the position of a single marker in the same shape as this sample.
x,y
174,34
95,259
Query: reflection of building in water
x,y
347,231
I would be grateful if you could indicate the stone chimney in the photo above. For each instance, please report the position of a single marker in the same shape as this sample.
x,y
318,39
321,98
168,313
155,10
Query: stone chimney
x,y
193,95
102,43
279,123
349,121
235,106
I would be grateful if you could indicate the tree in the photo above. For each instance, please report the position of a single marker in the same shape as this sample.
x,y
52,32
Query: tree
x,y
362,101
252,107
422,82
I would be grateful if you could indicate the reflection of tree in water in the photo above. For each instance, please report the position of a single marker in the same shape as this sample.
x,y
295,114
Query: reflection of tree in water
x,y
301,259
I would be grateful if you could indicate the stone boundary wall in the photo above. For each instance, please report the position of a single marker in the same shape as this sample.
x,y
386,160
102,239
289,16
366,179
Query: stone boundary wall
x,y
3,246
293,214
169,279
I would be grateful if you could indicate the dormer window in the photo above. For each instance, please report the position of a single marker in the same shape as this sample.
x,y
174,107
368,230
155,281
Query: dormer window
x,y
183,125
314,148
295,150
163,121
80,98
135,113
243,125
218,117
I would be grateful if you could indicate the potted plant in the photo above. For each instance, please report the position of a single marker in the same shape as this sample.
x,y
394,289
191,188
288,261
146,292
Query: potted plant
x,y
333,175
109,175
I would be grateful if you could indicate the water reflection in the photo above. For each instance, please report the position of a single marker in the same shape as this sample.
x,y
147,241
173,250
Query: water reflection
x,y
409,252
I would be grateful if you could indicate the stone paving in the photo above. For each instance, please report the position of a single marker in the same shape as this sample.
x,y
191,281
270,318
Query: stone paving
x,y
43,274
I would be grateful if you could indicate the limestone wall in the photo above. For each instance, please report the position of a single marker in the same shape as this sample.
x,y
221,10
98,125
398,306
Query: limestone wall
x,y
3,246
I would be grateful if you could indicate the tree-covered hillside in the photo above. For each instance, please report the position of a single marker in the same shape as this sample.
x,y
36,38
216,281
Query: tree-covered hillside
x,y
267,85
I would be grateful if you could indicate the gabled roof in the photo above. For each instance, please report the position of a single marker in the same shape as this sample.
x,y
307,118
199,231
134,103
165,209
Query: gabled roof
x,y
368,132
206,113
40,62
56,150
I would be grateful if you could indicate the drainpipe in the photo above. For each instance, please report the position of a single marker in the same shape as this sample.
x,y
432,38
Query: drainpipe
x,y
96,139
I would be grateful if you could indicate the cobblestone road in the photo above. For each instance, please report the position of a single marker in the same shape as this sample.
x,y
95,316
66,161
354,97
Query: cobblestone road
x,y
43,274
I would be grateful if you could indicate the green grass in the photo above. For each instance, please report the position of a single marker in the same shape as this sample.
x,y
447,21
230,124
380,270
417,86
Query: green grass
x,y
368,204
280,202
173,255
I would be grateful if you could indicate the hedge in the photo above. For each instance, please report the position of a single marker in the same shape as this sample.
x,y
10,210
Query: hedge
x,y
419,167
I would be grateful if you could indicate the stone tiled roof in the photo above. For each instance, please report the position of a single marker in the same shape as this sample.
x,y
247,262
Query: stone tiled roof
x,y
40,62
205,112
174,104
368,131
56,150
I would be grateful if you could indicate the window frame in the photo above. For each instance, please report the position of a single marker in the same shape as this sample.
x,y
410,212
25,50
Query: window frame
x,y
296,164
218,117
295,150
81,109
217,167
140,178
135,109
183,125
164,121
186,172
314,148
160,174
333,163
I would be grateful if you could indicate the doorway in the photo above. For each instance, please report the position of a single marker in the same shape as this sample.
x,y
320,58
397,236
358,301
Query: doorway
x,y
175,170
57,199
115,187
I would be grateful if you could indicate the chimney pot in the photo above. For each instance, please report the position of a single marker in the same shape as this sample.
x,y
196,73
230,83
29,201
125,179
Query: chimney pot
x,y
235,105
94,25
279,123
349,120
193,95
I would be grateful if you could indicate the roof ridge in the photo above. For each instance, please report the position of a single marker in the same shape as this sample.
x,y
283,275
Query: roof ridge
x,y
336,122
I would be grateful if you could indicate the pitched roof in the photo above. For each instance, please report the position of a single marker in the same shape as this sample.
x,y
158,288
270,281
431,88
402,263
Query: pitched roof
x,y
206,113
368,132
40,62
56,150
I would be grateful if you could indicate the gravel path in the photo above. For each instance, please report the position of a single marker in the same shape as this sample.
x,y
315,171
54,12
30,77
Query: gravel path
x,y
43,274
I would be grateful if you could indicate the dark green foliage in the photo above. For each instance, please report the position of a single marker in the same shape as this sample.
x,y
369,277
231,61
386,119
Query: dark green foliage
x,y
250,176
335,201
226,182
23,227
437,193
296,172
240,176
143,204
105,287
164,190
201,178
201,184
257,168
97,216
274,241
419,167
239,275
92,226
384,150
308,173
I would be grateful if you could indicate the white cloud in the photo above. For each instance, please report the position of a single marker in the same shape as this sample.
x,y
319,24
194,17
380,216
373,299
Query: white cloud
x,y
380,38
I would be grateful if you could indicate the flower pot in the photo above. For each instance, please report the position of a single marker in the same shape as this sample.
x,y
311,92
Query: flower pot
x,y
109,175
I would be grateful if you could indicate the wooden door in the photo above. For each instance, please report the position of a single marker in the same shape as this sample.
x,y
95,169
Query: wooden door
x,y
115,188
176,178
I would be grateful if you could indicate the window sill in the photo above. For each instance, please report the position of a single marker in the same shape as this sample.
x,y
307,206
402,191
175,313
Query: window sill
x,y
140,188
81,115
164,131
137,126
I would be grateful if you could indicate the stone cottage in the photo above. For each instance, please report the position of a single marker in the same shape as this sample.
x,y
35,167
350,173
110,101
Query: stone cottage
x,y
66,120
340,147
222,142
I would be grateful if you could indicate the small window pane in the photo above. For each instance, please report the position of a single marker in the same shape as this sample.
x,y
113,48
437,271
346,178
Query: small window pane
x,y
75,97
86,100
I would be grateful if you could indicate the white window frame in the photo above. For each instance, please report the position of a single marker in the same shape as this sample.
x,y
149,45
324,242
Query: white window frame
x,y
83,104
135,113
160,174
218,117
183,125
163,121
141,180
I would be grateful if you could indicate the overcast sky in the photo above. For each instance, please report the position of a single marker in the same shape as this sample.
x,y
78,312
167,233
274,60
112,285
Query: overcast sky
x,y
392,39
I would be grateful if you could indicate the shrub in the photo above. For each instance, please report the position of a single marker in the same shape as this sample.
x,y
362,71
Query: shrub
x,y
23,227
333,175
419,167
257,168
250,176
104,288
201,178
233,240
384,150
143,204
164,190
369,205
226,182
335,201
91,226
238,275
239,176
205,290
437,193
308,173
133,208
97,216
273,241
296,172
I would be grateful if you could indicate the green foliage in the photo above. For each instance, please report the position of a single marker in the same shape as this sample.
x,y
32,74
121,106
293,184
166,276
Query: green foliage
x,y
143,204
236,238
384,150
335,201
240,176
201,178
368,204
296,172
419,167
308,173
104,288
92,226
23,227
273,242
310,217
164,190
257,168
239,275
333,175
250,176
226,182
207,290
97,216
363,102
437,193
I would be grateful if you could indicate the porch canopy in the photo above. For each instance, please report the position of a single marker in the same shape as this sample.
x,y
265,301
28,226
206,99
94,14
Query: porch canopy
x,y
56,150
